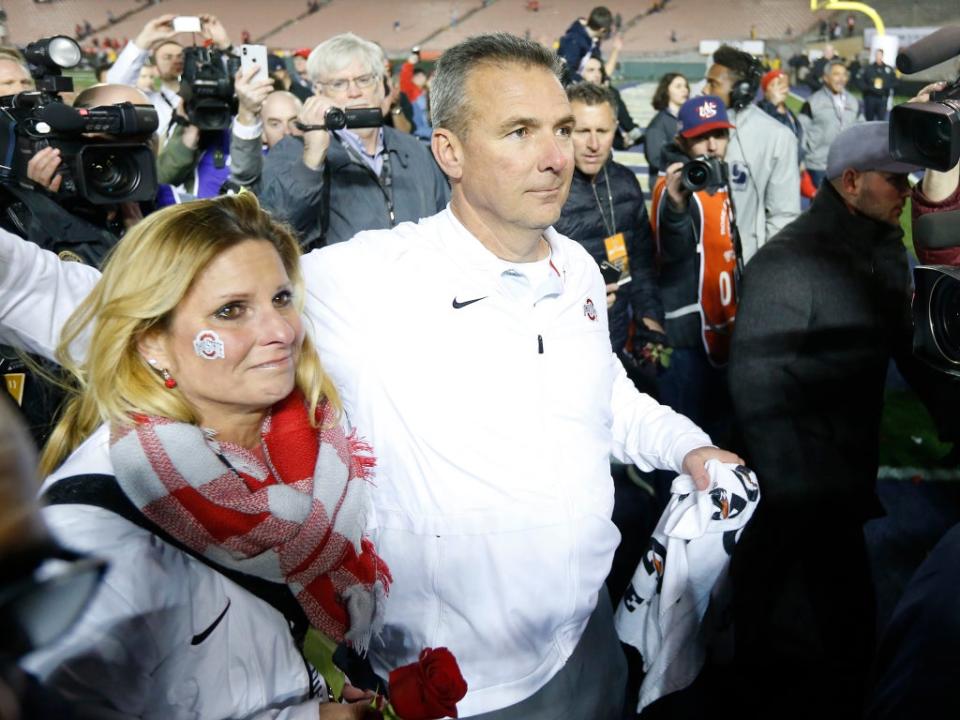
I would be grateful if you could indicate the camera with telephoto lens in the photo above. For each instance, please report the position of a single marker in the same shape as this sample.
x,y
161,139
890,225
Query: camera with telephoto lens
x,y
928,133
206,86
99,161
704,173
337,119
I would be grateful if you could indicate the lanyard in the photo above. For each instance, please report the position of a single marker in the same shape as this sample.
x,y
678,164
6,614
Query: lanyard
x,y
384,180
610,227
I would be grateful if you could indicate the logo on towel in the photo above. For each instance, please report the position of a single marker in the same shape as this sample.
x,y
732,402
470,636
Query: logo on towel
x,y
589,310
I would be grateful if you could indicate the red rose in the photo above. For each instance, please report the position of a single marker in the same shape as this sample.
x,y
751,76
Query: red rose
x,y
429,688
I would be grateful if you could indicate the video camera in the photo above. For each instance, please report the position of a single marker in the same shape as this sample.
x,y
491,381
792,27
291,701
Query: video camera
x,y
928,133
206,86
704,173
99,170
337,119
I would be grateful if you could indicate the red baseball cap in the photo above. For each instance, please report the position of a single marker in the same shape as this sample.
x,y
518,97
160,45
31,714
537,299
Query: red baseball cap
x,y
770,77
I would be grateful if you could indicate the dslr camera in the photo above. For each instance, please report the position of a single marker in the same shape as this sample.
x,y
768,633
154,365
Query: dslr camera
x,y
206,86
704,173
98,169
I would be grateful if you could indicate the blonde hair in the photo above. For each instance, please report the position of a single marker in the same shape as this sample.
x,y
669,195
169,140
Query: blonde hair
x,y
146,276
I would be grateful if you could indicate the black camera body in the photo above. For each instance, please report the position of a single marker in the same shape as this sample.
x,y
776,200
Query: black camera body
x,y
96,169
928,134
337,119
704,173
936,316
206,86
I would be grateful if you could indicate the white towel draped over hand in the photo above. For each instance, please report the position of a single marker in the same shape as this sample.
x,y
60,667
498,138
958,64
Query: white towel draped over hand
x,y
662,611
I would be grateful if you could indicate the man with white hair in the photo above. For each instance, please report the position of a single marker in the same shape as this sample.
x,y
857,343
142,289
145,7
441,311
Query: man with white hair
x,y
330,185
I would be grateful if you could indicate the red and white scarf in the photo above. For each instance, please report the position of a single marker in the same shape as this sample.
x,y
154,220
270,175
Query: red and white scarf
x,y
295,513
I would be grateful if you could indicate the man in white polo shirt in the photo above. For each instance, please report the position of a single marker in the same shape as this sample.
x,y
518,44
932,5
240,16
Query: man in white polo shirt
x,y
472,350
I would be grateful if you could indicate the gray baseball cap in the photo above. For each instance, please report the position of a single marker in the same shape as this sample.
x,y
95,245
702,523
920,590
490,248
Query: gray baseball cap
x,y
865,146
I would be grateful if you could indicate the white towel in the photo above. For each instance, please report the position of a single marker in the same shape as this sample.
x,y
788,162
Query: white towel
x,y
662,611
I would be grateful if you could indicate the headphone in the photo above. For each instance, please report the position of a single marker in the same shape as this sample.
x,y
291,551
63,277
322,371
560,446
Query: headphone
x,y
744,90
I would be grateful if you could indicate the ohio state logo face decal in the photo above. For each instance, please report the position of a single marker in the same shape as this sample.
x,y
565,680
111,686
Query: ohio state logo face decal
x,y
208,345
589,310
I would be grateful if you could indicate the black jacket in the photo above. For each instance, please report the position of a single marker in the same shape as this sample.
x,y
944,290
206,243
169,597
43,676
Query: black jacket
x,y
824,306
581,220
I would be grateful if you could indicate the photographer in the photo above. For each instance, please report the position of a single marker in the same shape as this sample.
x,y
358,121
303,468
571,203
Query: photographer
x,y
937,192
74,228
330,185
697,266
155,41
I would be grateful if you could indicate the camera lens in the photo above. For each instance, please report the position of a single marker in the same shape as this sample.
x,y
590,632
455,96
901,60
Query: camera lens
x,y
695,175
945,317
932,136
112,174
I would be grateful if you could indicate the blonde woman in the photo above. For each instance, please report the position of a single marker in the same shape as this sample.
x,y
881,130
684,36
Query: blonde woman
x,y
203,407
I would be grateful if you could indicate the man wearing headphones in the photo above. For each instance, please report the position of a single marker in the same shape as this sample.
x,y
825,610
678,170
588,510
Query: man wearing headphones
x,y
764,177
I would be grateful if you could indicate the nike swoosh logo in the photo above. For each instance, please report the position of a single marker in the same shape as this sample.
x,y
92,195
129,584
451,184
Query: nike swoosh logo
x,y
457,305
197,639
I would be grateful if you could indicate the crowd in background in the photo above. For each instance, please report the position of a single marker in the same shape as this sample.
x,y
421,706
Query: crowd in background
x,y
753,299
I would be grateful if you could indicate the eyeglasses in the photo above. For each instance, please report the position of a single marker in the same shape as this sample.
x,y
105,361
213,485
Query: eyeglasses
x,y
363,82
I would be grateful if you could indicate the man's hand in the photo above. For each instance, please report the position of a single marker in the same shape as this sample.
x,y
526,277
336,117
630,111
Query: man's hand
x,y
42,169
611,294
250,94
315,142
357,706
212,29
679,196
155,31
924,94
694,464
190,136
651,324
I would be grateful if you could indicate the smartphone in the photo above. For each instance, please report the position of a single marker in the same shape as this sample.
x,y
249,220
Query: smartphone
x,y
254,56
186,23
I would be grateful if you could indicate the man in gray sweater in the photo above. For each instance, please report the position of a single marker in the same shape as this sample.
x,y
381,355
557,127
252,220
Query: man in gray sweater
x,y
830,110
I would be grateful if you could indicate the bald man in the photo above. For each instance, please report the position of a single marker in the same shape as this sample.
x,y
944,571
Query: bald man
x,y
264,118
14,76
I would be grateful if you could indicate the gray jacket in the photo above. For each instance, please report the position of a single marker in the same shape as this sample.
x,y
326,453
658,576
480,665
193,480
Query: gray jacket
x,y
358,200
822,122
246,162
764,177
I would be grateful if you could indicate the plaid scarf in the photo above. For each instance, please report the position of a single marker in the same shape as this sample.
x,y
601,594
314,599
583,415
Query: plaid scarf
x,y
293,514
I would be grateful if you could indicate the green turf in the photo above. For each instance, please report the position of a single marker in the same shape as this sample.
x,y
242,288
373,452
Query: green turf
x,y
907,434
